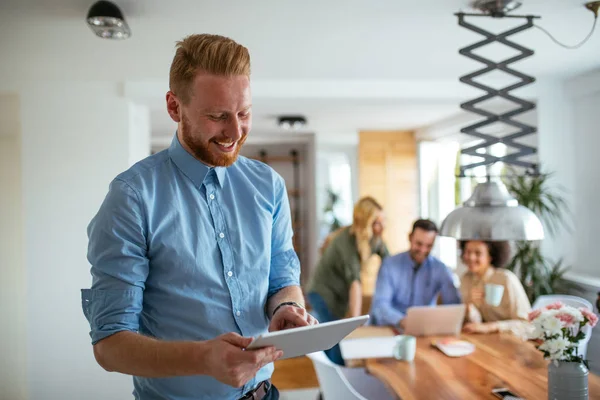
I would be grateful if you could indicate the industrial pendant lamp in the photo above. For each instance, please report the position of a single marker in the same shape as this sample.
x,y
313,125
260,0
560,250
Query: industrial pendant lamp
x,y
491,213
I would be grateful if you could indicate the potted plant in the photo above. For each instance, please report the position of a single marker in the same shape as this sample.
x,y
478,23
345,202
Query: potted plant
x,y
559,329
538,274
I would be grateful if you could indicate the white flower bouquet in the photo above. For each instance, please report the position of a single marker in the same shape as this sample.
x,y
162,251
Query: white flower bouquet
x,y
559,329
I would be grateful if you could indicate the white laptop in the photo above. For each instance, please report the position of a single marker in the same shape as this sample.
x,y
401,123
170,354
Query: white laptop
x,y
441,320
309,339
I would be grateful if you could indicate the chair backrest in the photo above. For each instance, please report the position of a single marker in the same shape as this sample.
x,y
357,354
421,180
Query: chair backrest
x,y
334,384
572,301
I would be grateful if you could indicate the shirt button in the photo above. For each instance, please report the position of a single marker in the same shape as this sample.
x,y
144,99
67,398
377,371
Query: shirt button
x,y
230,273
212,196
221,235
238,313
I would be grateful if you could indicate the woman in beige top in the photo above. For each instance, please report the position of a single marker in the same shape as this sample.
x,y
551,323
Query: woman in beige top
x,y
485,261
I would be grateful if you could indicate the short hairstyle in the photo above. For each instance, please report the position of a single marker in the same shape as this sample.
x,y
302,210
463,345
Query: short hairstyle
x,y
425,224
214,54
499,251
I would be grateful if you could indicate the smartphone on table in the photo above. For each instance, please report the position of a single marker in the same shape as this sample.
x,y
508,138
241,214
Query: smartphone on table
x,y
505,394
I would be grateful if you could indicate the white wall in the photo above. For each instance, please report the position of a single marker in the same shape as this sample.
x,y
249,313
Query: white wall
x,y
584,92
75,138
139,128
13,344
569,141
557,155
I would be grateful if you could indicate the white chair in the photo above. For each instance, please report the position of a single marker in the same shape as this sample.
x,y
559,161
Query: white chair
x,y
572,301
341,383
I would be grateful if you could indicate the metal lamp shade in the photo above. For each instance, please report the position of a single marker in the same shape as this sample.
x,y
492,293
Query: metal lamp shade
x,y
106,20
492,214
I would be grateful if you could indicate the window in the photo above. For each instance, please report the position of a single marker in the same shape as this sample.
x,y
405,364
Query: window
x,y
334,176
437,170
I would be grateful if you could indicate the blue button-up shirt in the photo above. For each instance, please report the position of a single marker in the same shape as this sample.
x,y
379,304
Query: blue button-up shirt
x,y
399,286
182,251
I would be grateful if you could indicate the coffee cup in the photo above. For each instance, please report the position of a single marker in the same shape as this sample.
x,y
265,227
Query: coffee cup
x,y
405,348
493,294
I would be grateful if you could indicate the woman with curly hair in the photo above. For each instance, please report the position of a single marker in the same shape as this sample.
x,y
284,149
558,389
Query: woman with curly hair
x,y
335,289
485,262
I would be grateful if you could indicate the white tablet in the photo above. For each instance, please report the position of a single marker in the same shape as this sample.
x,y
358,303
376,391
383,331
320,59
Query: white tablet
x,y
308,339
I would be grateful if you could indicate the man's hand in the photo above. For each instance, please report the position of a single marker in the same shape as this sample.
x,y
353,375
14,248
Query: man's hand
x,y
290,316
229,362
402,324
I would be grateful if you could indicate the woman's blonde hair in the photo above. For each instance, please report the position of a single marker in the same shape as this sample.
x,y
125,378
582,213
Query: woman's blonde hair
x,y
214,54
366,211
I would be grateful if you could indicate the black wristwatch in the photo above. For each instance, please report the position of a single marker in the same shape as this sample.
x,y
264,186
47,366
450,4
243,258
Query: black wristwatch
x,y
287,303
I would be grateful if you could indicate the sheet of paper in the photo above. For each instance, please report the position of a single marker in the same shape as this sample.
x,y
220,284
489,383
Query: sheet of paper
x,y
373,347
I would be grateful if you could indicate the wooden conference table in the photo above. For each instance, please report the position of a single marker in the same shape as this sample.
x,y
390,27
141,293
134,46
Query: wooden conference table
x,y
500,360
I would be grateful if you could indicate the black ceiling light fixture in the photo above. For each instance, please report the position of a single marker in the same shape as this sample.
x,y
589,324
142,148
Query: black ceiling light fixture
x,y
291,122
106,20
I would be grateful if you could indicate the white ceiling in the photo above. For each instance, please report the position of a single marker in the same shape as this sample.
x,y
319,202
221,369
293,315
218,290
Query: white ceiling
x,y
332,44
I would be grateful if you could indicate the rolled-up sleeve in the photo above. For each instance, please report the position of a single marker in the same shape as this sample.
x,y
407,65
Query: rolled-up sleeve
x,y
285,265
119,265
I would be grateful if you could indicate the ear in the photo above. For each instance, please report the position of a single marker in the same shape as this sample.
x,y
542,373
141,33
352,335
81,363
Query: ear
x,y
173,106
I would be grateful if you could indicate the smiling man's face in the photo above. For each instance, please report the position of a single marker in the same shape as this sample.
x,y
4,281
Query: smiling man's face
x,y
215,122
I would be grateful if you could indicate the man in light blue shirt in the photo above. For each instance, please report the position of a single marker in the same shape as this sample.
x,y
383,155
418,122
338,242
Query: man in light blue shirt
x,y
412,278
191,250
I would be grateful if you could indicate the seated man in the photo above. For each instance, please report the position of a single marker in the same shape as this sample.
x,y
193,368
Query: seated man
x,y
412,278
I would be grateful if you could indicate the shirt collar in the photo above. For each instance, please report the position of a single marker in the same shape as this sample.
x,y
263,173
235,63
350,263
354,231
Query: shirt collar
x,y
414,264
190,166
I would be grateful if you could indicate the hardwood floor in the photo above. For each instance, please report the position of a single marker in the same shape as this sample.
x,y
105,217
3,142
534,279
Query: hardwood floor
x,y
295,373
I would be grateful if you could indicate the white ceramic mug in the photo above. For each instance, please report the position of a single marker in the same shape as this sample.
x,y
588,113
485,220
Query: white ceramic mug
x,y
493,294
405,348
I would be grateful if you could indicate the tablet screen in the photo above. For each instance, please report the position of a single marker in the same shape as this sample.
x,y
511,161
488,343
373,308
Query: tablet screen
x,y
309,339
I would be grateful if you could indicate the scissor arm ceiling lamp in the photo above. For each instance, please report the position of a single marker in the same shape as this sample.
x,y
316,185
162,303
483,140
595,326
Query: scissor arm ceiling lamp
x,y
491,213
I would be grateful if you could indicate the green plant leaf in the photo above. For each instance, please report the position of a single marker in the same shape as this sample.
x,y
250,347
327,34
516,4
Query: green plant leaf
x,y
538,274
